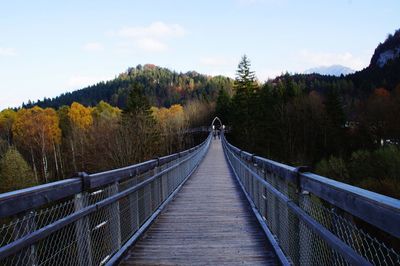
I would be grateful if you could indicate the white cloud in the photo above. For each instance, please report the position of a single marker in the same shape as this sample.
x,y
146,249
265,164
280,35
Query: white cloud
x,y
217,61
5,51
151,38
93,47
327,59
79,81
151,45
154,30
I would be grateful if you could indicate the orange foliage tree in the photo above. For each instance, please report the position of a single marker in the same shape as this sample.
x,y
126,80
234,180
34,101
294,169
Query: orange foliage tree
x,y
7,117
80,116
37,130
81,120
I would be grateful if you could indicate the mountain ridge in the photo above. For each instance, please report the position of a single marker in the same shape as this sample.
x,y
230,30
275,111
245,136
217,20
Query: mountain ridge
x,y
165,87
333,70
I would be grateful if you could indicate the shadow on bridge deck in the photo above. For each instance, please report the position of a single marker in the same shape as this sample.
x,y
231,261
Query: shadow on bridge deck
x,y
209,222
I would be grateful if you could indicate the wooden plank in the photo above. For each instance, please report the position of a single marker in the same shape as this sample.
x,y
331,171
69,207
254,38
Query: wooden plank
x,y
208,222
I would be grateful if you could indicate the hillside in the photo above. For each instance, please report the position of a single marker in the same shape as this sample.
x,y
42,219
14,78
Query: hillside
x,y
384,68
163,87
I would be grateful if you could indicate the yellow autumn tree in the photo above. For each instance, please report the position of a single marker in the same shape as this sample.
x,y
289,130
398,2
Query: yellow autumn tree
x,y
105,112
100,137
37,130
7,117
80,116
81,121
171,122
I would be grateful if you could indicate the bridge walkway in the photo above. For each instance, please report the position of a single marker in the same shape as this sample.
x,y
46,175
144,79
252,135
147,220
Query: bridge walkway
x,y
208,222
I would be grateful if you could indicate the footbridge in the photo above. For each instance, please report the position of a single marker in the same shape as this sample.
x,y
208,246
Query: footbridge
x,y
213,204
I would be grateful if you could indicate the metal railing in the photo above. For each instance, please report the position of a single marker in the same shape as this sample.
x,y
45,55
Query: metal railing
x,y
313,220
90,219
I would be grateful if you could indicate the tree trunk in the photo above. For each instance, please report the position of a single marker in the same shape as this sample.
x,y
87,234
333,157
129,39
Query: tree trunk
x,y
34,166
73,156
44,159
56,161
61,161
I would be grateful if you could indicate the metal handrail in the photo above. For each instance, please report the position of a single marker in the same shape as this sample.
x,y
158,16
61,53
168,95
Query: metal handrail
x,y
266,182
19,201
120,192
383,211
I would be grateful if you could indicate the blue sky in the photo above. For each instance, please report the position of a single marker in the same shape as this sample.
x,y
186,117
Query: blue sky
x,y
50,47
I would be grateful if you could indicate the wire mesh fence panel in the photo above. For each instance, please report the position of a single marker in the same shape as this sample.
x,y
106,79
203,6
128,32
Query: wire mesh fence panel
x,y
287,210
90,227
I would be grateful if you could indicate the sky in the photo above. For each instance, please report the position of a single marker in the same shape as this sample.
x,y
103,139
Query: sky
x,y
51,47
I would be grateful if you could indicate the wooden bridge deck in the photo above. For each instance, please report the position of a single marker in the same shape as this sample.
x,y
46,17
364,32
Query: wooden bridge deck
x,y
209,222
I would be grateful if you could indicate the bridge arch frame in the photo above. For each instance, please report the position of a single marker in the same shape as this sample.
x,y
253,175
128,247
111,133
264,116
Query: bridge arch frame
x,y
214,120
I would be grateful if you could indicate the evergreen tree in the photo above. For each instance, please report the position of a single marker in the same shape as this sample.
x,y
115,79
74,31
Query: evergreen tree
x,y
223,106
245,81
334,110
335,124
242,103
137,102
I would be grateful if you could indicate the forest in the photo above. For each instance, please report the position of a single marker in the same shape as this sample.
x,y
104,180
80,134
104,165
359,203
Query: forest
x,y
163,87
39,145
320,122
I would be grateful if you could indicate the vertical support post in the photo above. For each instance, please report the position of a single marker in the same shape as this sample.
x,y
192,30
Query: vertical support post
x,y
274,204
155,190
285,228
164,184
23,228
134,208
114,219
82,232
159,183
264,195
306,240
301,198
31,224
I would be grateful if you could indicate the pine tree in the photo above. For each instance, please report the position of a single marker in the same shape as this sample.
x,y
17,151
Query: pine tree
x,y
242,114
137,102
223,106
245,81
334,110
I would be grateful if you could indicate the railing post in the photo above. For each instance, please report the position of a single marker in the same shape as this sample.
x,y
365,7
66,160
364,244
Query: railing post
x,y
134,208
82,231
306,240
114,219
164,185
302,243
155,190
24,228
31,228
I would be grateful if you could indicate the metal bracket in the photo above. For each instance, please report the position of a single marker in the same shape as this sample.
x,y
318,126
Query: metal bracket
x,y
158,161
298,171
252,158
85,180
